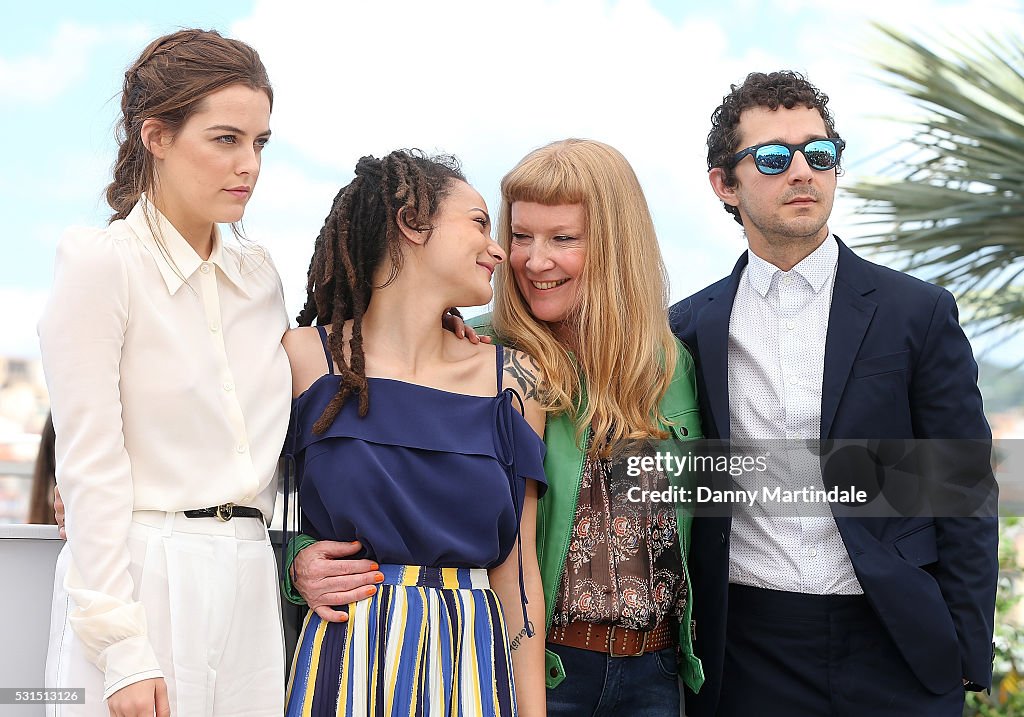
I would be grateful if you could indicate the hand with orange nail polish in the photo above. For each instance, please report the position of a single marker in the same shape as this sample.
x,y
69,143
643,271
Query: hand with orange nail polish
x,y
325,575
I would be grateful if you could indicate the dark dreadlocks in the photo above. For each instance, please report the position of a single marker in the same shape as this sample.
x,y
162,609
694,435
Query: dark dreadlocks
x,y
362,225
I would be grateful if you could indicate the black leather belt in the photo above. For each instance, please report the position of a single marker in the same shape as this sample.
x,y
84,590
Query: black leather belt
x,y
225,512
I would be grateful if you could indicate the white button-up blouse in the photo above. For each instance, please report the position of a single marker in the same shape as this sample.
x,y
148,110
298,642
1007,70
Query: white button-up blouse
x,y
169,390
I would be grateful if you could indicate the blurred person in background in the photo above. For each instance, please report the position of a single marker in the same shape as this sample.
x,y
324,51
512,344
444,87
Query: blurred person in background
x,y
44,481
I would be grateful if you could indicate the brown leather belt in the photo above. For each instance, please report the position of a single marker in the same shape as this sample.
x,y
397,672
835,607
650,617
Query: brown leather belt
x,y
612,639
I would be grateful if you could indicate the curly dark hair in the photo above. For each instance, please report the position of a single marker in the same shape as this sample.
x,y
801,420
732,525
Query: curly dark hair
x,y
362,225
773,90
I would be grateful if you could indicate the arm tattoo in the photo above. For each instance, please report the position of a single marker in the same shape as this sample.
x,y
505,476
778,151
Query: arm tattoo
x,y
518,639
524,371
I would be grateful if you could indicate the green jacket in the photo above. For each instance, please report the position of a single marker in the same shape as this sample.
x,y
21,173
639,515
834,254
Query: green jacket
x,y
563,466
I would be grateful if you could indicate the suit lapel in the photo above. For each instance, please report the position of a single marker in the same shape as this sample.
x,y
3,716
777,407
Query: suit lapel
x,y
713,340
848,321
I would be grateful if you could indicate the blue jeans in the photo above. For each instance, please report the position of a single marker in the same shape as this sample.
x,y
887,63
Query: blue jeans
x,y
598,685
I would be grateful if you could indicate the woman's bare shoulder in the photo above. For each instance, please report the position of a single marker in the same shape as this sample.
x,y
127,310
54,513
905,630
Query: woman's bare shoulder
x,y
306,356
300,339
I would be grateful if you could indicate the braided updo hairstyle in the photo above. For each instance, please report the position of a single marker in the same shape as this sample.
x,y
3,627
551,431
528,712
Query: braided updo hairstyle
x,y
168,82
361,227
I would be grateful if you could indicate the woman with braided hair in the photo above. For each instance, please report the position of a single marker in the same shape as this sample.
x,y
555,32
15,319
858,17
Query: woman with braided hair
x,y
405,440
161,345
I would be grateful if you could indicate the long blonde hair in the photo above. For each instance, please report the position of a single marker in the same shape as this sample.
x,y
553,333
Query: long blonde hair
x,y
619,367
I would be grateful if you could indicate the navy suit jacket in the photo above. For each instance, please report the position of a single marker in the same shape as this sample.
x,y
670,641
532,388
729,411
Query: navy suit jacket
x,y
897,365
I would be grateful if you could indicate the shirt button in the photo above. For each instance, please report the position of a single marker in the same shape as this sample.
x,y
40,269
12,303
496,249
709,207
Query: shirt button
x,y
790,325
240,448
228,386
205,268
214,328
812,552
794,380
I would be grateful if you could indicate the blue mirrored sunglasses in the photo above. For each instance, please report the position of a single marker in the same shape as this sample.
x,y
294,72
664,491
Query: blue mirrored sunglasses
x,y
775,157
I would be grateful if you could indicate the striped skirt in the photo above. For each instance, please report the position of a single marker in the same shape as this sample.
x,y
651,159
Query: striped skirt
x,y
432,641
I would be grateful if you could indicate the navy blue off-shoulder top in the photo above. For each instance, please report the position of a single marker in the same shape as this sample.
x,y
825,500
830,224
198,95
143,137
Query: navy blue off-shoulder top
x,y
427,477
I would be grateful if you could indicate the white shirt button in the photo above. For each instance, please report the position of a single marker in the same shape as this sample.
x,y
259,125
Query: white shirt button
x,y
790,325
240,448
794,380
205,268
214,327
812,552
228,386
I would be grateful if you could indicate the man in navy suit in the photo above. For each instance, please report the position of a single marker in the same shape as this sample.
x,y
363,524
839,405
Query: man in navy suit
x,y
827,615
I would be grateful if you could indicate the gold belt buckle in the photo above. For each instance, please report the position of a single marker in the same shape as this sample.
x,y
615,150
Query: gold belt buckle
x,y
225,511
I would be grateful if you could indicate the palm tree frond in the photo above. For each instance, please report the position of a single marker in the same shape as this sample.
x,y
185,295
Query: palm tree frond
x,y
951,203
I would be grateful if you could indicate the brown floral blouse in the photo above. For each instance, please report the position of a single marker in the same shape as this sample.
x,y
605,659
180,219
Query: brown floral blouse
x,y
623,565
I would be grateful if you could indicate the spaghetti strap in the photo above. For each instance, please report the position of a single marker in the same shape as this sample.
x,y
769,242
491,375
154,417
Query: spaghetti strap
x,y
499,363
327,351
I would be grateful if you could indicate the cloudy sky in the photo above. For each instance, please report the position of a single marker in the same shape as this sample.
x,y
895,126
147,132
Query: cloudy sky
x,y
487,81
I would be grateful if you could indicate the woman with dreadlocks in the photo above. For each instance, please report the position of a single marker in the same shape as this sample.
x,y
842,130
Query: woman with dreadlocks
x,y
161,345
417,445
584,292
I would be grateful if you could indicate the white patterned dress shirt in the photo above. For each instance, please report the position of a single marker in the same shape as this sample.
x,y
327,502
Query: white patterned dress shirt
x,y
777,334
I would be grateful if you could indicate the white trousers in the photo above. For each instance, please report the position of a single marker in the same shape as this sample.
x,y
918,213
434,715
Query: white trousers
x,y
213,611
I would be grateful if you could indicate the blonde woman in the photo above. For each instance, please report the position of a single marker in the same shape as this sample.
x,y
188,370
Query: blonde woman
x,y
585,293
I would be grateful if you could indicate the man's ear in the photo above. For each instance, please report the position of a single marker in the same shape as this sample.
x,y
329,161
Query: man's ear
x,y
725,191
156,137
416,236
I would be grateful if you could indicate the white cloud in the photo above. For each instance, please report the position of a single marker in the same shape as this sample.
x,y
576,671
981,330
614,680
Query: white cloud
x,y
41,77
466,76
483,79
285,216
489,82
18,319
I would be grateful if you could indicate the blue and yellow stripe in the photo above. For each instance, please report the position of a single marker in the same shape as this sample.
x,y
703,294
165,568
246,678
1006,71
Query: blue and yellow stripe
x,y
431,642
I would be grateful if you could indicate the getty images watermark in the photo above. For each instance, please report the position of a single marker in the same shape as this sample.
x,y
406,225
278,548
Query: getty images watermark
x,y
807,478
675,465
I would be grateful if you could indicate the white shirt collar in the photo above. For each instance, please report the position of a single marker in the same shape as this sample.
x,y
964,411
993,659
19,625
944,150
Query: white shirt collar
x,y
145,220
815,268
